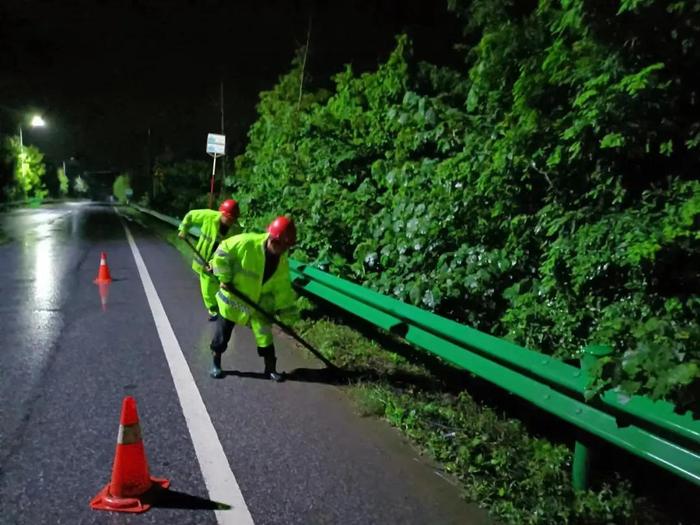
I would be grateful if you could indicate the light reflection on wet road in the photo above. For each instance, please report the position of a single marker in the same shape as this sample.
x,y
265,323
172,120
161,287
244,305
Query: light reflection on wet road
x,y
44,248
65,364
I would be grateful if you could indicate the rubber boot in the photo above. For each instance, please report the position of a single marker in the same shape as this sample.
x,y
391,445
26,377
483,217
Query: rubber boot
x,y
271,367
216,371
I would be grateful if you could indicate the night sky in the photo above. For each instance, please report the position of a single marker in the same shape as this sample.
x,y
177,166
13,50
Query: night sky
x,y
104,72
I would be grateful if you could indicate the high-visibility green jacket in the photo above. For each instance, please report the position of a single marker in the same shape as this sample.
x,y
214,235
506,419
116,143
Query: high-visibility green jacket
x,y
240,261
208,223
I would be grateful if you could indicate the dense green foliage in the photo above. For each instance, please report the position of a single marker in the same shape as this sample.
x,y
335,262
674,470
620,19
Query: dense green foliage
x,y
547,192
28,171
120,186
63,182
181,186
80,186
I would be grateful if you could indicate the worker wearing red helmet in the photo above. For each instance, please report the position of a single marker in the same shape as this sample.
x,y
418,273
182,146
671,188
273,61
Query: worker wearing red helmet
x,y
214,227
255,265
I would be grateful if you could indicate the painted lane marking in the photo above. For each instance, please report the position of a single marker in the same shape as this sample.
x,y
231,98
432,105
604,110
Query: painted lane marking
x,y
216,471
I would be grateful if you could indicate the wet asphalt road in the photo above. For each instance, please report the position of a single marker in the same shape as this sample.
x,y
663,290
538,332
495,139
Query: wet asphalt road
x,y
297,450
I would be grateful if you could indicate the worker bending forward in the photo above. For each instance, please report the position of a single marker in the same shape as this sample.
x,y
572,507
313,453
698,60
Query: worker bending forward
x,y
255,265
214,227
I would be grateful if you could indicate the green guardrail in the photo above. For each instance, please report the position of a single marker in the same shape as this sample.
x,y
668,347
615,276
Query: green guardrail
x,y
528,362
648,429
680,458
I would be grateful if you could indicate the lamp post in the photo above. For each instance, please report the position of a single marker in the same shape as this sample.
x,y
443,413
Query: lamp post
x,y
36,122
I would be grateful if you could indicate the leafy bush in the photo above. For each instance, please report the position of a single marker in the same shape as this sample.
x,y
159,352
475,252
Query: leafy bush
x,y
120,186
80,186
547,194
181,186
29,170
63,182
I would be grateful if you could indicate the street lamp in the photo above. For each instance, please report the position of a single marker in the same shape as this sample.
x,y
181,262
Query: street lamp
x,y
36,122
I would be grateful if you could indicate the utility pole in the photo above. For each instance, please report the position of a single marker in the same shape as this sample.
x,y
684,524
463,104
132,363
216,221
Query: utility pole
x,y
150,171
303,64
223,132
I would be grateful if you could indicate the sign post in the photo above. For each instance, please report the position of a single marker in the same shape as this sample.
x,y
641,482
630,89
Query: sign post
x,y
216,147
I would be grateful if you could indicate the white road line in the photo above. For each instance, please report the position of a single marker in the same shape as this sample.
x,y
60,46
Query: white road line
x,y
220,481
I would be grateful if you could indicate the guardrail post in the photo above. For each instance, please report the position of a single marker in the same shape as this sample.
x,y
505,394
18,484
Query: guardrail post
x,y
582,452
582,462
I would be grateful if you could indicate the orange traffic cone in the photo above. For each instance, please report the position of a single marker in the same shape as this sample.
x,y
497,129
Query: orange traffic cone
x,y
130,476
103,275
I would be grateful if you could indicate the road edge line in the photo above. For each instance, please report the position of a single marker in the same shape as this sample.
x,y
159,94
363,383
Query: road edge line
x,y
213,463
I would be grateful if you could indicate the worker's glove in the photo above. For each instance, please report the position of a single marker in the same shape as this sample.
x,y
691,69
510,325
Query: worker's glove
x,y
182,234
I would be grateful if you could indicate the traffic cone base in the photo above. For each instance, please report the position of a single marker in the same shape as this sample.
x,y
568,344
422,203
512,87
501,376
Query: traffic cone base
x,y
103,275
106,501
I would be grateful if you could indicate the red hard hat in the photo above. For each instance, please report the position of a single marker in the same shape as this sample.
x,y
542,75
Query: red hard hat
x,y
283,228
230,208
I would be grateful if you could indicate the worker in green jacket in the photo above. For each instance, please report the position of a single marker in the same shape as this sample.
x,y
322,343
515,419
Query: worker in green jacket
x,y
214,227
255,265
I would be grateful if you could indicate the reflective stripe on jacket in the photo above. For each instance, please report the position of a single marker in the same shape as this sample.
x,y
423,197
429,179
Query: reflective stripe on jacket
x,y
240,261
208,223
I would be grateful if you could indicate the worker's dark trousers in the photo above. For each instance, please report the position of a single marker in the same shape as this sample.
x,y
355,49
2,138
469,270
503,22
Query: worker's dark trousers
x,y
222,335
